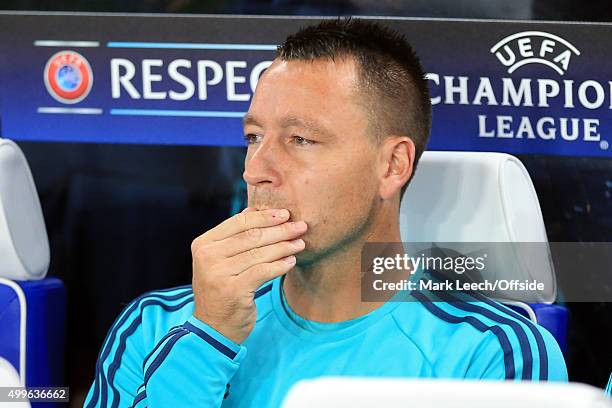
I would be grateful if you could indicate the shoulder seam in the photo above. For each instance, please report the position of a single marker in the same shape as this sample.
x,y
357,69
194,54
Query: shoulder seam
x,y
399,327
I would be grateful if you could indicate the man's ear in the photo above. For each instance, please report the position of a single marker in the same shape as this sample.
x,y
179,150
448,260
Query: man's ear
x,y
396,164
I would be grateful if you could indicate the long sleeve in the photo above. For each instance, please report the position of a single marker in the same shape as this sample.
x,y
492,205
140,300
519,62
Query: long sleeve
x,y
190,365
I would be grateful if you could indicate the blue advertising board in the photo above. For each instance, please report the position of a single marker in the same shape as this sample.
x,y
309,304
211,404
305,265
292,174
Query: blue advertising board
x,y
516,87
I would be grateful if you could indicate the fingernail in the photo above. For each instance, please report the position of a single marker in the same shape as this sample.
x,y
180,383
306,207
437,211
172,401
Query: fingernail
x,y
290,259
282,214
298,243
299,226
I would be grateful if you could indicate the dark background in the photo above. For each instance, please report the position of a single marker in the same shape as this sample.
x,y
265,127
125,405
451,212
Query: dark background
x,y
121,218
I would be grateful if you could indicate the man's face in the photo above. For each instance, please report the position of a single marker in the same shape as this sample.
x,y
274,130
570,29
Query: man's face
x,y
309,151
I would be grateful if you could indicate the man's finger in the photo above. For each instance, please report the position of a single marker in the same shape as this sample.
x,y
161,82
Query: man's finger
x,y
244,221
237,264
257,237
254,277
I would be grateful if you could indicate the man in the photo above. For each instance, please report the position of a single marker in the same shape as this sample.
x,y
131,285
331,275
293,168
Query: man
x,y
335,130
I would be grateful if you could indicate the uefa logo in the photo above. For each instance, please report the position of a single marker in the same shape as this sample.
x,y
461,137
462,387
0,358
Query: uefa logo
x,y
68,77
535,47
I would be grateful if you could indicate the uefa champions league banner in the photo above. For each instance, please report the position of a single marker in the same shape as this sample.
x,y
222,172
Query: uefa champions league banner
x,y
516,87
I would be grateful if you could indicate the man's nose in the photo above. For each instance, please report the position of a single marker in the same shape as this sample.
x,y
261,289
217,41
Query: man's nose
x,y
261,166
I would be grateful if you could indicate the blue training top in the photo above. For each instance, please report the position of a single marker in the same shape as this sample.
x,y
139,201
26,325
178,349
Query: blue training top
x,y
157,354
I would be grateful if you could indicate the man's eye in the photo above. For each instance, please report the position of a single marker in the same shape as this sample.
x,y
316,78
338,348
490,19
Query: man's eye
x,y
300,141
251,138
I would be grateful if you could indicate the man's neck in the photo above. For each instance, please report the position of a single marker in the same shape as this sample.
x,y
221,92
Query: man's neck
x,y
329,290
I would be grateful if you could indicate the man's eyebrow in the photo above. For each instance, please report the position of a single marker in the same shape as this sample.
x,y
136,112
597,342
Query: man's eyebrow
x,y
249,119
289,121
307,124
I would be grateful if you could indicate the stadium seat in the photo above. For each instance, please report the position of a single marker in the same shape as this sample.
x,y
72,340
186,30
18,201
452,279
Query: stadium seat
x,y
32,307
468,199
395,393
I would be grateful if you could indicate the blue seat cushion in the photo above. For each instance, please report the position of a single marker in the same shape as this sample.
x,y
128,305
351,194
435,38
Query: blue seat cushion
x,y
45,314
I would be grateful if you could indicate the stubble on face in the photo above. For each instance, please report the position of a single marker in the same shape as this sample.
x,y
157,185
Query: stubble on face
x,y
263,199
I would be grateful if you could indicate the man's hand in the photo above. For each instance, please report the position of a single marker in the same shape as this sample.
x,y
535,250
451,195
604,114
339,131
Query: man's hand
x,y
232,260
